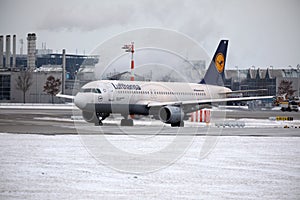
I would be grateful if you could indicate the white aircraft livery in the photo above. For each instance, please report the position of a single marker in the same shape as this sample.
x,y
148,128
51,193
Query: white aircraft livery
x,y
170,102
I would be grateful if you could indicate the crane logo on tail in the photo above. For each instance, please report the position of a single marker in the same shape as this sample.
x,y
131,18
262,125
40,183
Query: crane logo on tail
x,y
220,62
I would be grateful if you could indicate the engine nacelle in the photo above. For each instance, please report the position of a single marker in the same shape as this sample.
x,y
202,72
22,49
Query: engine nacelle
x,y
170,114
90,117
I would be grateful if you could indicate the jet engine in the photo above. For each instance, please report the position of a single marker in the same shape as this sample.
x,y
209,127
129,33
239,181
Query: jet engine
x,y
170,114
90,117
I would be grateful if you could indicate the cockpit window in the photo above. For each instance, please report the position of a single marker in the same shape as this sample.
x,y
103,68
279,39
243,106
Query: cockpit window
x,y
91,90
96,90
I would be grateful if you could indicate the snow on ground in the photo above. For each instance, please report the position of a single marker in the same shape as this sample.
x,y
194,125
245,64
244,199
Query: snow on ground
x,y
59,167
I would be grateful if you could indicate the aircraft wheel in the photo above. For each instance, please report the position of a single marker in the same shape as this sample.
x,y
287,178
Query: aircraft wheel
x,y
178,124
130,122
100,123
182,124
126,122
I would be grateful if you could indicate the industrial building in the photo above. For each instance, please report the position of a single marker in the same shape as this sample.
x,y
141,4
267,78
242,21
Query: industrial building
x,y
42,63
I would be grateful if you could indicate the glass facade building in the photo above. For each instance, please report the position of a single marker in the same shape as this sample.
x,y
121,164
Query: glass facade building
x,y
5,87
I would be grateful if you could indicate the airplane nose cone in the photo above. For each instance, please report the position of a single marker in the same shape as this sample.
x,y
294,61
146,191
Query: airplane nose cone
x,y
80,101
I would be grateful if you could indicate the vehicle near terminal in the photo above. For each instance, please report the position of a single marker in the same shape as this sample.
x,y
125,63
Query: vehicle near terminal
x,y
289,106
170,102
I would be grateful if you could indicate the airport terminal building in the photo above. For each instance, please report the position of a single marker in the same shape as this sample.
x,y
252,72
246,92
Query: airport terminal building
x,y
269,79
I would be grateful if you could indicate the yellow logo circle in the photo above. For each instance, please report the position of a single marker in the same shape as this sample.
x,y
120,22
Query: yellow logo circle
x,y
220,62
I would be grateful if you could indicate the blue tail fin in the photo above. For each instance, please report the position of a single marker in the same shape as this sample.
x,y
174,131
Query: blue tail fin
x,y
215,72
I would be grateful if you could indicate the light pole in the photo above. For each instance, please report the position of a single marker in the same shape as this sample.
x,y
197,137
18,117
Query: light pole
x,y
237,68
271,78
291,72
272,68
298,70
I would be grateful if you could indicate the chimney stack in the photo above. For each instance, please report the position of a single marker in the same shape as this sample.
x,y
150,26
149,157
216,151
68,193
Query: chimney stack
x,y
1,51
14,52
7,52
31,51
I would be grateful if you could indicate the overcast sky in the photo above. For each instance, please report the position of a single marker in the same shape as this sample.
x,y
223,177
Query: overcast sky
x,y
261,32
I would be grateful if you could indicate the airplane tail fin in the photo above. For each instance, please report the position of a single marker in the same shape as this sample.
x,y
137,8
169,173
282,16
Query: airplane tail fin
x,y
215,72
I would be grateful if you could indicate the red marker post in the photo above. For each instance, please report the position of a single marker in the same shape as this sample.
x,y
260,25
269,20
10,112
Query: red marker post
x,y
130,48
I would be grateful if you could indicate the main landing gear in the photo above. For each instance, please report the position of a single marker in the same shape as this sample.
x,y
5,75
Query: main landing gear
x,y
178,124
101,117
126,121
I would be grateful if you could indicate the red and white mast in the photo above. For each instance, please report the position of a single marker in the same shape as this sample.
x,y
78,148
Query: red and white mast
x,y
130,48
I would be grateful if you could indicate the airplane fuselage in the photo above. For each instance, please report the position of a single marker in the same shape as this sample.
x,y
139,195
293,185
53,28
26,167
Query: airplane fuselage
x,y
132,97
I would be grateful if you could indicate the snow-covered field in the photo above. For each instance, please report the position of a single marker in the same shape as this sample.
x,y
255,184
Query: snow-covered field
x,y
59,167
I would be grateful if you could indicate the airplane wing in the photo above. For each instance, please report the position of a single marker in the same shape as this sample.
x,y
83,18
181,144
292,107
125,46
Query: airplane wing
x,y
65,96
205,101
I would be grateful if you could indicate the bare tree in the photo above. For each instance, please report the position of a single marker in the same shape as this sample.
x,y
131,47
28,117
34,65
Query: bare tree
x,y
52,86
286,87
24,82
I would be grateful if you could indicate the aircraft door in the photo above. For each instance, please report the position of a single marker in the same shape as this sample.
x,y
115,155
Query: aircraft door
x,y
110,92
153,94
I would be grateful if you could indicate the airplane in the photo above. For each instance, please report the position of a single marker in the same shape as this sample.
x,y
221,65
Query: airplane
x,y
170,102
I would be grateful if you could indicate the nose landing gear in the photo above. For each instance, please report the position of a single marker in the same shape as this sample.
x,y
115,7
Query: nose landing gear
x,y
101,117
